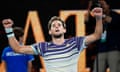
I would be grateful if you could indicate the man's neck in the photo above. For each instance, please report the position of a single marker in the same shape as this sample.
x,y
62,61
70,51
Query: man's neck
x,y
58,41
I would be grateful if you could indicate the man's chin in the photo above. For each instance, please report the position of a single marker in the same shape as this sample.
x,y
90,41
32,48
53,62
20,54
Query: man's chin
x,y
57,36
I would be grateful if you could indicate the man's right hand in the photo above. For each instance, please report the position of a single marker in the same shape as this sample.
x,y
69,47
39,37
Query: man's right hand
x,y
7,23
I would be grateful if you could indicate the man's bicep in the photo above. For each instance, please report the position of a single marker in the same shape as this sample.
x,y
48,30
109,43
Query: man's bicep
x,y
90,39
26,50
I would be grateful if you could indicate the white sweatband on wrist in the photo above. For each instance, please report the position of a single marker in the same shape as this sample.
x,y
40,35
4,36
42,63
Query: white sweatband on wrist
x,y
10,35
8,30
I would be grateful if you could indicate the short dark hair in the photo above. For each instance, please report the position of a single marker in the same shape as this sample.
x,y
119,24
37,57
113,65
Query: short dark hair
x,y
18,31
53,19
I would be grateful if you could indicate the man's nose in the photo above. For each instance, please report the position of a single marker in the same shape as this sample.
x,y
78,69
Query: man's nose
x,y
56,25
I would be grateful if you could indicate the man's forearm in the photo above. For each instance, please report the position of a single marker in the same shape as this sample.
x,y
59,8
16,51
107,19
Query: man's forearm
x,y
11,38
99,27
14,43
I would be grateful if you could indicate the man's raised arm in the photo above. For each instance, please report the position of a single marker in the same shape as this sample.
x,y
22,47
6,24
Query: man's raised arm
x,y
7,23
97,13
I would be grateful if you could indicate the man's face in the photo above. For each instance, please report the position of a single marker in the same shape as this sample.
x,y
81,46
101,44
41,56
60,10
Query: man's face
x,y
57,28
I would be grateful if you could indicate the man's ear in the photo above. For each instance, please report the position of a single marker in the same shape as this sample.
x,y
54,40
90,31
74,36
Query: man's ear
x,y
65,30
49,32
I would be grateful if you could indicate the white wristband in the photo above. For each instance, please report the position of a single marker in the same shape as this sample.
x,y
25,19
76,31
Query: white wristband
x,y
8,30
10,35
